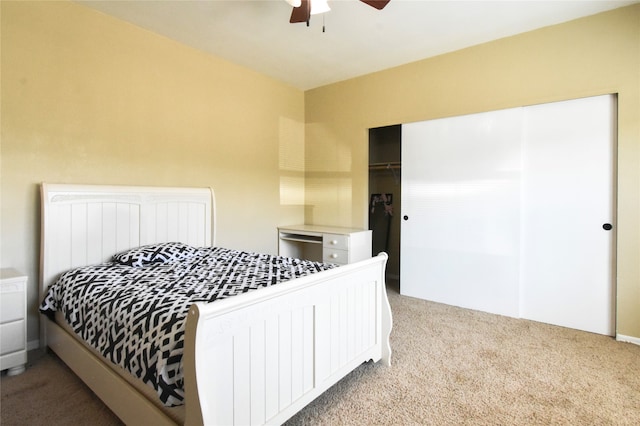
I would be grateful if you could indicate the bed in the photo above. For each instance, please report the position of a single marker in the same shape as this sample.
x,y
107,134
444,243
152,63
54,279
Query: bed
x,y
255,358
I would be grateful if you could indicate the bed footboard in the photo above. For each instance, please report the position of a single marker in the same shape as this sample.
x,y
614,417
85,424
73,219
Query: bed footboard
x,y
262,357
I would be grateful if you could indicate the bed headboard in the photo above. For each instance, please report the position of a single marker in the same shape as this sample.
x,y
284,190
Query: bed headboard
x,y
87,224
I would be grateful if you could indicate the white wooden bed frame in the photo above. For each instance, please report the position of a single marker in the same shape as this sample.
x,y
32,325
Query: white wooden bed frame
x,y
257,358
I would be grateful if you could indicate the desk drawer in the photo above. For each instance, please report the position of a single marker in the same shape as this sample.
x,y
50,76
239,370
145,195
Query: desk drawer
x,y
330,255
335,241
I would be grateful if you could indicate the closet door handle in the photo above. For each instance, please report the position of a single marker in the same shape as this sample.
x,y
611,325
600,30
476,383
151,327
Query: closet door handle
x,y
405,217
607,227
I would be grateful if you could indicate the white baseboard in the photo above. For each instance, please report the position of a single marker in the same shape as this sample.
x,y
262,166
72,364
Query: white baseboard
x,y
628,339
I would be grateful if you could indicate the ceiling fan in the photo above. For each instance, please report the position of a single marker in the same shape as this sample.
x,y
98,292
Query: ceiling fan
x,y
303,9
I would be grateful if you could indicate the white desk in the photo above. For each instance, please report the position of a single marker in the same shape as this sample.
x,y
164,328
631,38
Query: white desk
x,y
324,243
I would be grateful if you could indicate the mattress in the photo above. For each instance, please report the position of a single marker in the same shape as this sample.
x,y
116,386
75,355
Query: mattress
x,y
132,310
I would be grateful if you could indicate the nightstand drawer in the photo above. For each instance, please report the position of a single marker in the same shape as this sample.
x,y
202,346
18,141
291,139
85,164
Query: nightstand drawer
x,y
335,256
11,303
335,241
12,337
13,323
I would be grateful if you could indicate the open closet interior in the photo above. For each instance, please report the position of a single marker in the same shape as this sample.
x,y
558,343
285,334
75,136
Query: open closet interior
x,y
384,194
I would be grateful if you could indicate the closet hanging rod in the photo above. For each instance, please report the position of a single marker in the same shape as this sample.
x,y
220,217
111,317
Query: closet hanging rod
x,y
391,167
384,166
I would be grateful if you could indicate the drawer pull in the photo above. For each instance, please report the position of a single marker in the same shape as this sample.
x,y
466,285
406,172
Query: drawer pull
x,y
334,242
333,256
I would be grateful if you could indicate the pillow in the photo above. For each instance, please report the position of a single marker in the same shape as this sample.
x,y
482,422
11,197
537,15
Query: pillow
x,y
154,254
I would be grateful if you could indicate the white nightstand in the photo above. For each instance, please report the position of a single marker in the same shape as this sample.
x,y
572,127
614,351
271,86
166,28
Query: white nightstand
x,y
324,243
13,321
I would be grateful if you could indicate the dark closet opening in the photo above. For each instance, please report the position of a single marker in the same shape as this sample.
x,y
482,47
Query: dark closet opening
x,y
384,194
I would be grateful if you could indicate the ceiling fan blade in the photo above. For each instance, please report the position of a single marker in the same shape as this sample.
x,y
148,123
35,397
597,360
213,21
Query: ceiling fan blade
x,y
378,4
301,13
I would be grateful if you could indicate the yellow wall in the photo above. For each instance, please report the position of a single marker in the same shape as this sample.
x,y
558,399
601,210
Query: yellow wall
x,y
90,99
86,98
589,56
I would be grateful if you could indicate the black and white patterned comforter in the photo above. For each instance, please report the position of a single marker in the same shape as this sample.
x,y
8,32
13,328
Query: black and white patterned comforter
x,y
133,310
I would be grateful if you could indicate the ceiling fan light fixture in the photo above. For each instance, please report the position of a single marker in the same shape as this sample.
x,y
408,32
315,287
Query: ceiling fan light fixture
x,y
319,6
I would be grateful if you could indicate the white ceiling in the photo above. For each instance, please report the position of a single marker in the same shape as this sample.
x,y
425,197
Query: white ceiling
x,y
358,39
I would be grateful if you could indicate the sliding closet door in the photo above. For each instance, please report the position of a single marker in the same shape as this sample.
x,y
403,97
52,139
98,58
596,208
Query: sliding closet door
x,y
512,212
568,198
460,231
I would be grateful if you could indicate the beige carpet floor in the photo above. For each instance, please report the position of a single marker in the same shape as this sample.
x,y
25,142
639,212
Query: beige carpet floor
x,y
451,366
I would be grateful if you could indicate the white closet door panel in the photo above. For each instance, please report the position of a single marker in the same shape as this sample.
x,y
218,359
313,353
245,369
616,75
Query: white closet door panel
x,y
567,275
461,194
